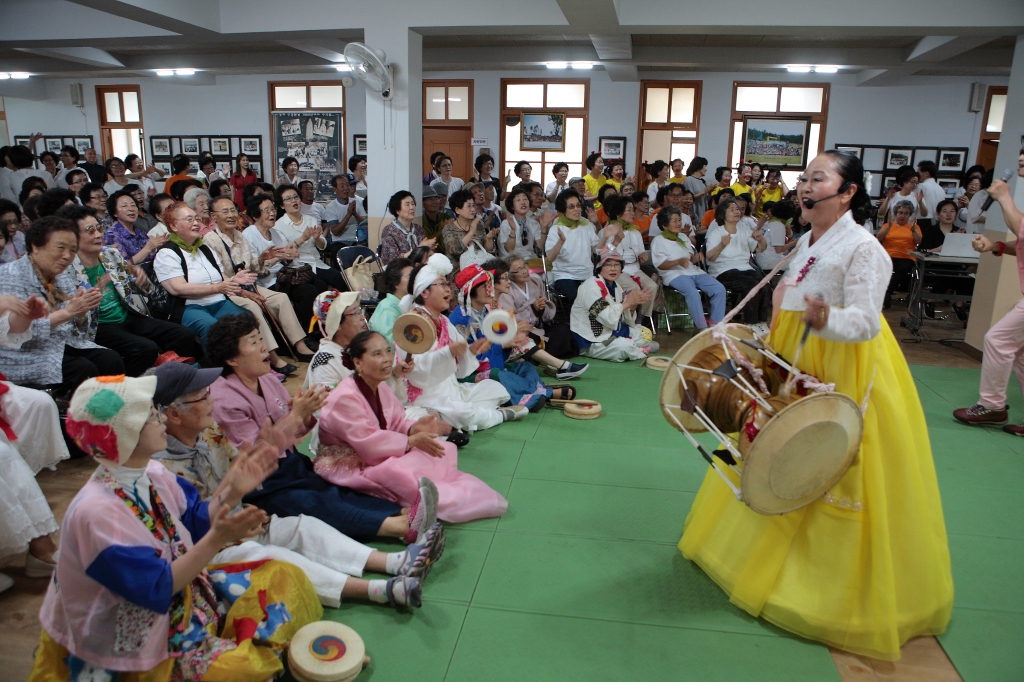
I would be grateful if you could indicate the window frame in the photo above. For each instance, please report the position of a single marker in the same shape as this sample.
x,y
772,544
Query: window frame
x,y
106,143
509,112
821,118
642,125
448,122
992,138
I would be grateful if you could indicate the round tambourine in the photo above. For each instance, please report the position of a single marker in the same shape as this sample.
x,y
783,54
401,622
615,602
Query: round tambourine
x,y
414,333
499,327
582,409
326,651
657,362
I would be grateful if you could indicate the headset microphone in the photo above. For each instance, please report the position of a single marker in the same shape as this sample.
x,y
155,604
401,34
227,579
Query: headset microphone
x,y
811,203
988,201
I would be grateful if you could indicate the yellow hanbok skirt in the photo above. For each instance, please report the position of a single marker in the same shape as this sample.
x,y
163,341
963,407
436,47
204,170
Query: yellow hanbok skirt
x,y
866,567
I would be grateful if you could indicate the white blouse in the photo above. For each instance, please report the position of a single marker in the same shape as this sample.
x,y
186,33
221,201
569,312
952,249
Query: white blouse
x,y
630,248
663,249
851,271
308,252
736,254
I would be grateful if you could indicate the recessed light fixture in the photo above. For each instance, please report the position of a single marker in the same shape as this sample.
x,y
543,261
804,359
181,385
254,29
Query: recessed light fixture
x,y
19,74
165,72
583,65
343,67
437,101
557,65
798,68
824,68
184,72
4,76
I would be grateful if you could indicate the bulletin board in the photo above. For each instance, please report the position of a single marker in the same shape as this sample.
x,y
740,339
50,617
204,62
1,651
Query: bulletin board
x,y
314,139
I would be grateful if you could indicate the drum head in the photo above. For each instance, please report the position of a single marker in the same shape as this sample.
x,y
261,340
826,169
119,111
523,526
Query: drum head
x,y
583,409
671,386
414,333
801,452
326,651
499,327
658,362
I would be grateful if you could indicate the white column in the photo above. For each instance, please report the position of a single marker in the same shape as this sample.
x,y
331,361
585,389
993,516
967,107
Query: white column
x,y
394,134
997,287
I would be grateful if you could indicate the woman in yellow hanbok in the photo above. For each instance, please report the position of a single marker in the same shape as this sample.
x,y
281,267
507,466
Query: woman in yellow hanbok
x,y
865,567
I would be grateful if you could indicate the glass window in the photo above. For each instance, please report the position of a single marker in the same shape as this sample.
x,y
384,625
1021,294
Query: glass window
x,y
657,145
327,96
737,143
290,96
812,143
512,150
567,95
684,133
573,141
756,98
804,100
435,103
996,110
657,106
682,105
575,171
683,150
525,95
458,103
112,104
125,141
131,106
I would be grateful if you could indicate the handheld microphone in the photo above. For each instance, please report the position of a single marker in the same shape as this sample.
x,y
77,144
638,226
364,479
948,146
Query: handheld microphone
x,y
1007,174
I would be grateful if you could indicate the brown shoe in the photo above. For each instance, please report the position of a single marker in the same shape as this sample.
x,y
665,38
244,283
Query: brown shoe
x,y
1014,429
980,415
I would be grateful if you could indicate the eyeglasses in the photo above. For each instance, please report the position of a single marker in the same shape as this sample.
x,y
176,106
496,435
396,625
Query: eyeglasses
x,y
155,417
94,197
569,207
290,197
268,209
521,268
228,211
93,229
205,396
191,220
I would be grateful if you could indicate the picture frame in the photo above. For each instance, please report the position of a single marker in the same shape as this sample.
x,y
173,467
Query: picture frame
x,y
777,141
898,158
53,144
921,154
165,166
359,146
856,151
220,146
225,167
887,182
257,167
83,143
250,145
949,186
542,131
24,142
190,145
193,168
952,160
160,146
612,147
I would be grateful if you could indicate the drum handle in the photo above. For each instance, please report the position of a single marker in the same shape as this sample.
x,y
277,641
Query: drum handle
x,y
706,421
711,460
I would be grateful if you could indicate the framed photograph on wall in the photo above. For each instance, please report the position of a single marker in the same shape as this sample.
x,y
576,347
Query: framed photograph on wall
x,y
23,141
257,168
780,142
220,146
951,160
193,168
250,145
949,186
897,158
161,146
612,147
83,143
542,131
224,167
190,145
53,144
165,166
359,145
856,151
887,182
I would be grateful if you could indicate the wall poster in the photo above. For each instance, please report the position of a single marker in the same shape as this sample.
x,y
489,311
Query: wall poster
x,y
314,139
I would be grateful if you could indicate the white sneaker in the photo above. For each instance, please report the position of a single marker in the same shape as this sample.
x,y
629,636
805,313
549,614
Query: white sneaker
x,y
6,582
514,413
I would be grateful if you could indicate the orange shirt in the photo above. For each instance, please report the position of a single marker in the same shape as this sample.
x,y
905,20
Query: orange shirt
x,y
707,218
173,179
899,241
602,217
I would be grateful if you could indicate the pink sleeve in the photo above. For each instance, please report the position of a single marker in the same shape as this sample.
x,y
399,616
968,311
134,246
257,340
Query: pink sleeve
x,y
232,415
347,419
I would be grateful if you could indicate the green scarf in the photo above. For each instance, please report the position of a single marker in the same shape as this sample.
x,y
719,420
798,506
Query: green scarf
x,y
674,237
192,250
619,221
565,222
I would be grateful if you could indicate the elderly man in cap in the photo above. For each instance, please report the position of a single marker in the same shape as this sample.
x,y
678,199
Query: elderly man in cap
x,y
199,453
434,217
603,320
345,213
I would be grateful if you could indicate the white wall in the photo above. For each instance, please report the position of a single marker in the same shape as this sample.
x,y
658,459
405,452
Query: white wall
x,y
236,105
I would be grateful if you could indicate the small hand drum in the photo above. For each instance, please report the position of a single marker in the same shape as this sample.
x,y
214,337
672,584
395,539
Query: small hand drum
x,y
414,333
326,651
499,327
657,362
582,409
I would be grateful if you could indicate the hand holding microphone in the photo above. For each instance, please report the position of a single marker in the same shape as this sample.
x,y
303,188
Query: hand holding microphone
x,y
996,188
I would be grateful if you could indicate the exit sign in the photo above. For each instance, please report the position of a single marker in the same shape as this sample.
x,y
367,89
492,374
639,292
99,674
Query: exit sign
x,y
479,142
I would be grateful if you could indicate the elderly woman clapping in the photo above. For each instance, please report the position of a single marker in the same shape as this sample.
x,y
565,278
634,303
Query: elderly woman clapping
x,y
899,238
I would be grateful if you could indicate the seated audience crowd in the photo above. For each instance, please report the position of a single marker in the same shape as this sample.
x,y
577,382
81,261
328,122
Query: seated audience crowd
x,y
146,320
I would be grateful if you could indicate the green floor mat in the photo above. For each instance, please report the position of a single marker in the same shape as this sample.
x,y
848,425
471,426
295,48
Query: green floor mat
x,y
985,646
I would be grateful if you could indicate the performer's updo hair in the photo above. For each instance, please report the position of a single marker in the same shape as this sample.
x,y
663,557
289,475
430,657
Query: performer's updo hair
x,y
852,172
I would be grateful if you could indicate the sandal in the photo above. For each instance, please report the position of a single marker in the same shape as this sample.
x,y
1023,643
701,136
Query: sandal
x,y
565,388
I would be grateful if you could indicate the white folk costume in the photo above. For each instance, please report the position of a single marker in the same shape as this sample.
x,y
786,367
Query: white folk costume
x,y
603,329
434,381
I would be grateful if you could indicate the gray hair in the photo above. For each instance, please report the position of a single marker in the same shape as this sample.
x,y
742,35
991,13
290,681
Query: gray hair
x,y
909,205
665,215
194,193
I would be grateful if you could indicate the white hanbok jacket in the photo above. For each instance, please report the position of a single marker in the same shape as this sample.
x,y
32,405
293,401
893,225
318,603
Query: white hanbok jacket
x,y
597,313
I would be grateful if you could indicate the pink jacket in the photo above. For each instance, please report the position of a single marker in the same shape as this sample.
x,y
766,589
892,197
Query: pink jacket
x,y
240,412
86,618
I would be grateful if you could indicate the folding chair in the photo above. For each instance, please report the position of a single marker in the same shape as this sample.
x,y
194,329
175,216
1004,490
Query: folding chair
x,y
347,256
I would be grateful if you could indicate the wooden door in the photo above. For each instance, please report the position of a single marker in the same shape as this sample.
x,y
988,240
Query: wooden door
x,y
987,153
455,142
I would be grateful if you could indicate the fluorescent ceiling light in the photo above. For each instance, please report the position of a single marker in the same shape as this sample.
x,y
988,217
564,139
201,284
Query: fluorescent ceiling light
x,y
583,65
165,72
450,99
4,76
19,74
184,72
557,65
820,68
798,68
343,67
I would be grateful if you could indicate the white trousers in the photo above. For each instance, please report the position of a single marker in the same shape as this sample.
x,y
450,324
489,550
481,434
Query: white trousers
x,y
33,416
469,407
327,557
24,512
619,349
